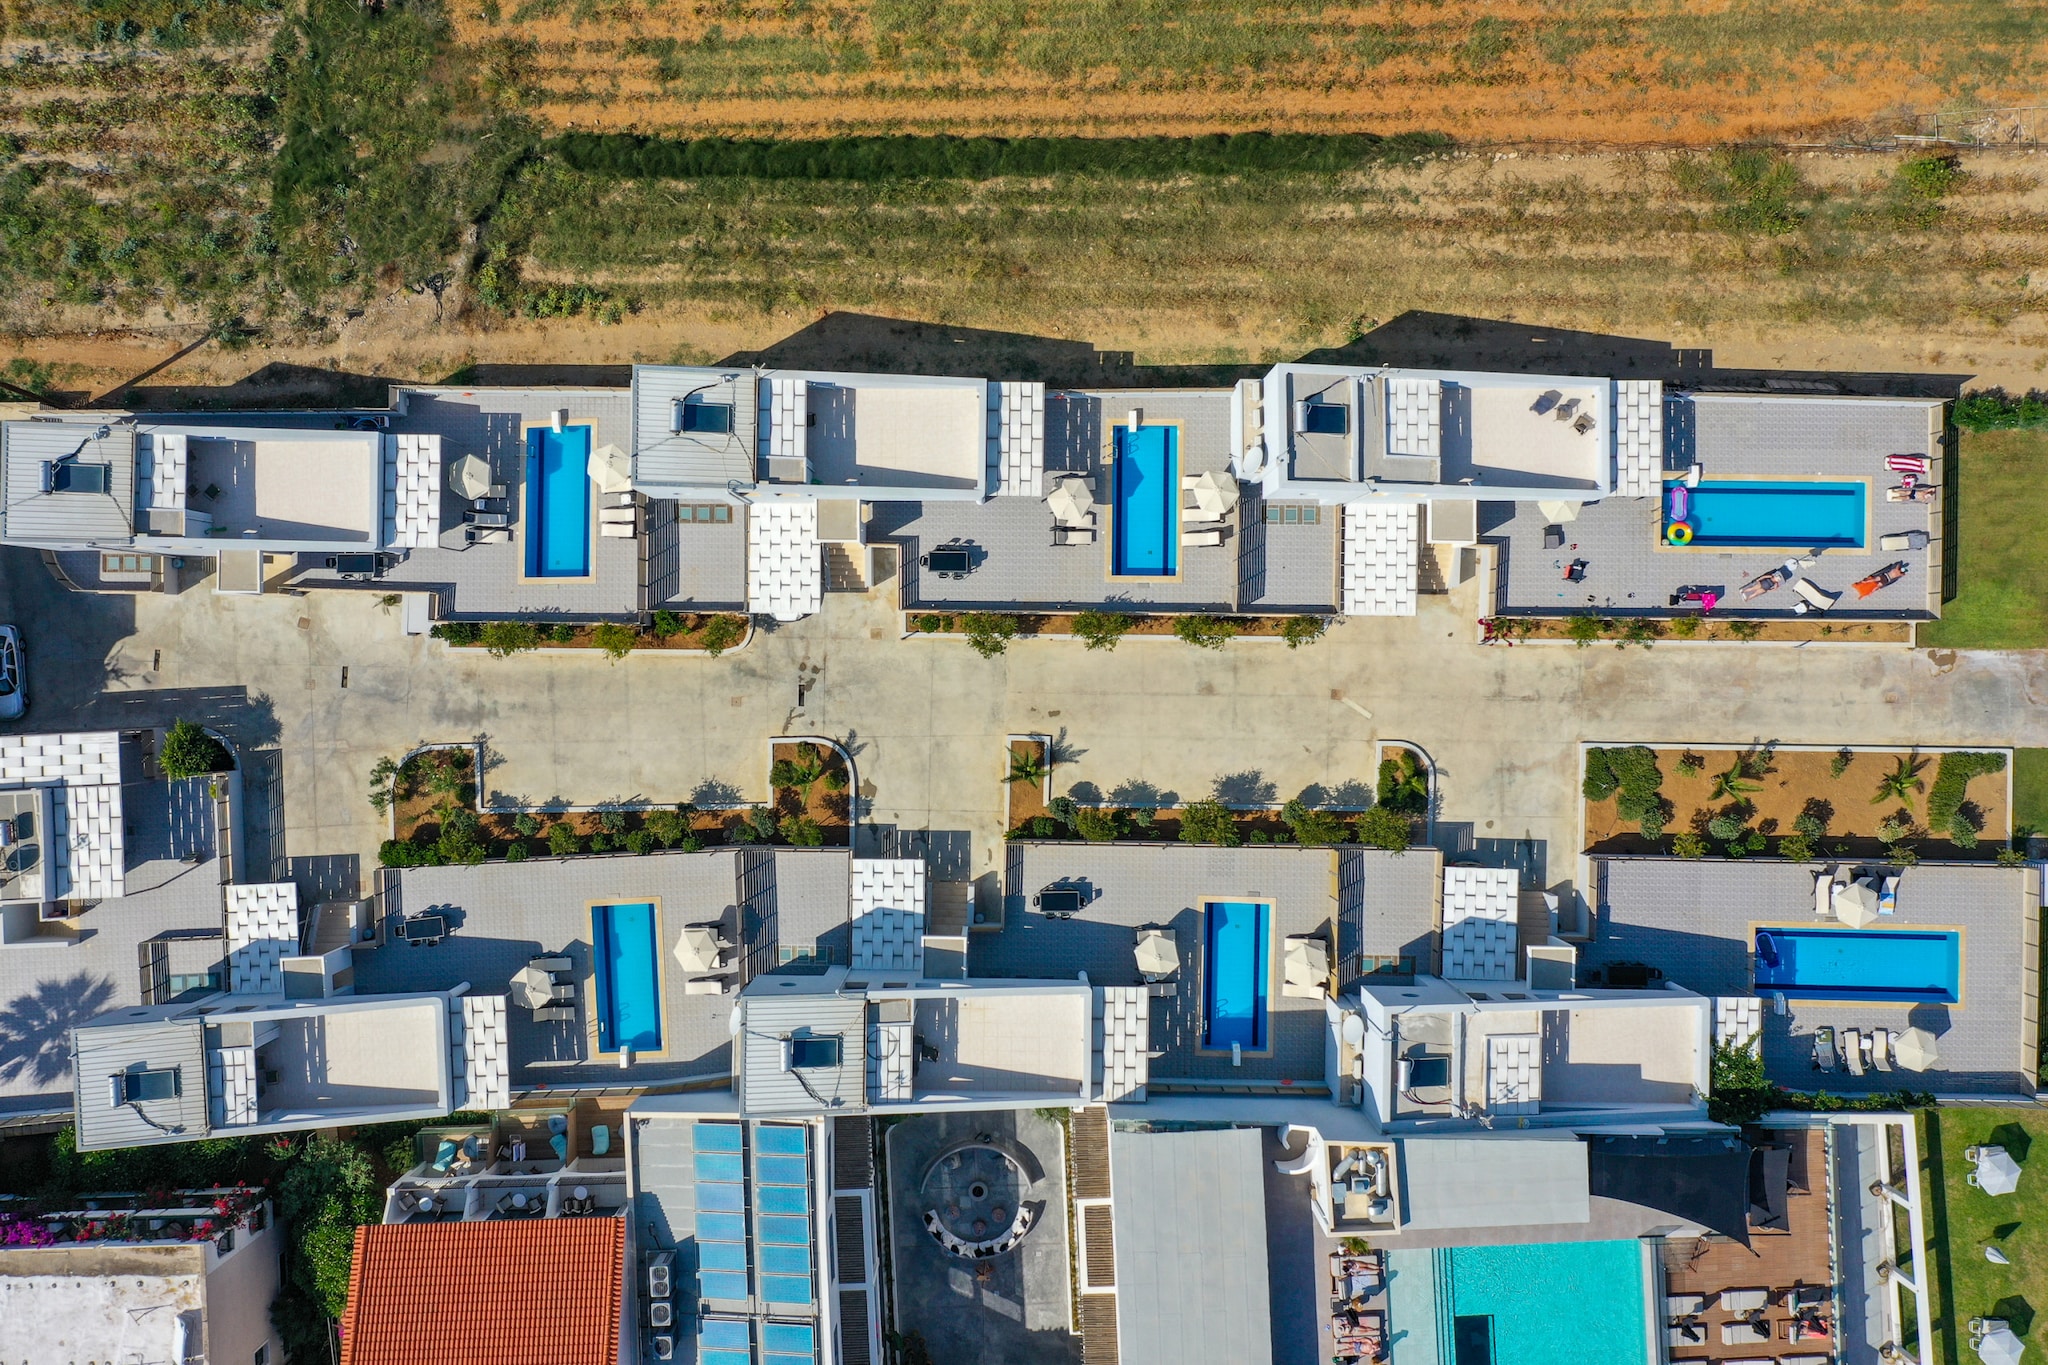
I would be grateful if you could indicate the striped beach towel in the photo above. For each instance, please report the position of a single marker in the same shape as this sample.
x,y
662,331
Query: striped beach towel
x,y
1907,464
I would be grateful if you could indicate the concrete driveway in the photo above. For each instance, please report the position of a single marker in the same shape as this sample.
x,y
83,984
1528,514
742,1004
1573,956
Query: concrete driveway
x,y
926,718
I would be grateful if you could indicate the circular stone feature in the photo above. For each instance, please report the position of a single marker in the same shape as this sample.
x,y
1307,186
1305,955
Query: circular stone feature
x,y
975,1192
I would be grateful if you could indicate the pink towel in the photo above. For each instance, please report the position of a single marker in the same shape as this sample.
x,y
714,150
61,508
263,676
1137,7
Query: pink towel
x,y
1907,464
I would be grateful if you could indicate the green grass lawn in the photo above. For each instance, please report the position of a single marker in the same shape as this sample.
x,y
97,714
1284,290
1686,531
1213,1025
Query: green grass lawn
x,y
1963,1221
2030,790
2001,599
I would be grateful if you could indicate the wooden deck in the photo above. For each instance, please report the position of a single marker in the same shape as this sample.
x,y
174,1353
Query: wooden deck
x,y
1778,1261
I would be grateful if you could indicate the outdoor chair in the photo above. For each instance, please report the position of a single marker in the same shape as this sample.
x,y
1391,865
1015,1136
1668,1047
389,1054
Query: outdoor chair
x,y
1824,1058
1073,535
552,964
562,991
555,1014
1553,537
1881,1049
1852,1050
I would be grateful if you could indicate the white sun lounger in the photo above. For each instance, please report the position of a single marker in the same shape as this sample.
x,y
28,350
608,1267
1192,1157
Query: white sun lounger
x,y
1881,1049
1815,596
1852,1050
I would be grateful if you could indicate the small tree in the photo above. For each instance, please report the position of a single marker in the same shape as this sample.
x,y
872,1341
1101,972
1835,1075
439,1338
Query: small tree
x,y
1204,632
612,820
1312,826
639,841
563,841
721,633
1685,627
1901,782
526,824
1028,767
188,751
667,625
1733,783
1739,1092
384,792
458,633
1302,630
1640,630
802,831
1387,829
1744,629
1688,844
801,772
1099,826
461,843
667,826
1584,630
756,825
1102,629
506,638
1208,822
615,640
989,633
1839,764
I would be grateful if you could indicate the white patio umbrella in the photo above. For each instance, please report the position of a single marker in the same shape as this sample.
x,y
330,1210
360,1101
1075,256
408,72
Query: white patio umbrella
x,y
2000,1347
1307,962
1070,501
1157,953
611,468
532,987
697,950
1558,513
1997,1172
470,477
1856,904
1215,494
1915,1049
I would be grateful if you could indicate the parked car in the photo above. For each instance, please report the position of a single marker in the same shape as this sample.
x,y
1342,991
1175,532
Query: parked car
x,y
13,677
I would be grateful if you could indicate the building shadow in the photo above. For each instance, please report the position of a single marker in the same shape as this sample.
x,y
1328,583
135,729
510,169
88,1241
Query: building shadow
x,y
542,377
276,385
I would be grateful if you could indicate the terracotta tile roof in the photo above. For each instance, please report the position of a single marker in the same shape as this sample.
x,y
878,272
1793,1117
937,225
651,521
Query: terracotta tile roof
x,y
540,1292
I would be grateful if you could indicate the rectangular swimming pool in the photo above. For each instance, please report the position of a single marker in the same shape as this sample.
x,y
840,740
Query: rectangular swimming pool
x,y
628,961
1234,968
1145,541
1472,1305
558,502
1769,513
1860,964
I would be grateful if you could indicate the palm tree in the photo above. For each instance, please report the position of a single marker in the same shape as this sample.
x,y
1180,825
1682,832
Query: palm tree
x,y
1901,782
1733,783
1028,766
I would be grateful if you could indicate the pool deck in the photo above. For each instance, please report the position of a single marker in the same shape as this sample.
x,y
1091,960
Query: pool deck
x,y
1735,437
1694,921
507,913
1379,903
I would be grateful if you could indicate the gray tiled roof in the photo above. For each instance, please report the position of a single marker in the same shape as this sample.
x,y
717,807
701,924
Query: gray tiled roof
x,y
29,515
1383,901
1695,921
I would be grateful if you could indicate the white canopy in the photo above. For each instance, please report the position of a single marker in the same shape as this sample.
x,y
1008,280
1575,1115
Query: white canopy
x,y
1215,494
470,477
612,469
532,987
1915,1049
1856,904
1307,962
698,948
2000,1347
1158,954
1070,501
1997,1172
1558,513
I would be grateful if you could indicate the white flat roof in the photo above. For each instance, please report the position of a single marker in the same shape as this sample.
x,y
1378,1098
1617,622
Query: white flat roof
x,y
120,1318
1521,1181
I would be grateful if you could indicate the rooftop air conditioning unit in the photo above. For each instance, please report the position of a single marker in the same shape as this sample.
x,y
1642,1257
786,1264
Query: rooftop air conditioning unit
x,y
659,1313
659,1273
664,1347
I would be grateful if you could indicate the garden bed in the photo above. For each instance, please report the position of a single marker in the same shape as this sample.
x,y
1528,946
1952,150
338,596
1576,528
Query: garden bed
x,y
1027,798
690,632
1645,630
1305,626
1212,823
1780,786
427,782
811,793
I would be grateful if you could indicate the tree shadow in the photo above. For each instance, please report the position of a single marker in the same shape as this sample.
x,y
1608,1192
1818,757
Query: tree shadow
x,y
1065,750
1248,788
1136,792
35,1027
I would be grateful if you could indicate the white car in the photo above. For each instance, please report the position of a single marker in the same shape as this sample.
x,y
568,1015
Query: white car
x,y
13,681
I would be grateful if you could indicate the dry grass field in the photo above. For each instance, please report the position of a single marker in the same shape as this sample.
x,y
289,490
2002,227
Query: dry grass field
x,y
1613,72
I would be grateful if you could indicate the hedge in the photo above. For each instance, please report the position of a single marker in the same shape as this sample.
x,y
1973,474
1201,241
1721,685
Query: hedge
x,y
1996,410
1951,784
1633,772
908,157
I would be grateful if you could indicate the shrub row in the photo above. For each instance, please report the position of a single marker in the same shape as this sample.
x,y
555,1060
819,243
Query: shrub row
x,y
1997,410
1633,773
908,157
1945,814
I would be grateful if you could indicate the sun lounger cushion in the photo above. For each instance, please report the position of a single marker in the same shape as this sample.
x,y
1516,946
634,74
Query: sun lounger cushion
x,y
444,1155
560,1143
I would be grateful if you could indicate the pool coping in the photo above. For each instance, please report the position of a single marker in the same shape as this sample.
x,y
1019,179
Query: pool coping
x,y
526,453
1273,968
1113,517
590,993
1836,927
1867,549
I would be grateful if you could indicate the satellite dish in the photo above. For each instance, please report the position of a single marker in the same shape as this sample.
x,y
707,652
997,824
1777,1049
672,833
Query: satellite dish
x,y
1353,1029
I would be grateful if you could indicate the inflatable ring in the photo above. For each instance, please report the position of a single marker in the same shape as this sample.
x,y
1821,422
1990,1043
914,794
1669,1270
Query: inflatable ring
x,y
1679,533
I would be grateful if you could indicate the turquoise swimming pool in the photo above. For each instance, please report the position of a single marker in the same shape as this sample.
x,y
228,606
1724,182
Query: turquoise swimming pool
x,y
558,502
1234,970
1145,541
628,986
1768,513
1860,964
1546,1303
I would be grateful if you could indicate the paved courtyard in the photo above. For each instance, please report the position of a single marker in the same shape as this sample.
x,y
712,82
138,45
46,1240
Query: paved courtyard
x,y
321,686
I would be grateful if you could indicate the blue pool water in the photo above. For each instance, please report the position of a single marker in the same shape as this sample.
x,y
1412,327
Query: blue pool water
x,y
1234,974
1767,513
1860,964
1146,538
1547,1303
628,977
558,503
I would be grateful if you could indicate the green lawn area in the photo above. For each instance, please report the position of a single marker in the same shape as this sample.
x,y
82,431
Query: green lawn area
x,y
2030,790
2001,599
1963,1221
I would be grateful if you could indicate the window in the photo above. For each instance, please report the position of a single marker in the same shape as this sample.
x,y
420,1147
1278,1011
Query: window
x,y
813,1054
127,563
694,417
1324,419
138,1087
68,476
713,512
786,953
202,982
1292,513
263,1354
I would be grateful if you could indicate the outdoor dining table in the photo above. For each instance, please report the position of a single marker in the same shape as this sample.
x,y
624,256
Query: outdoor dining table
x,y
1059,900
949,561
